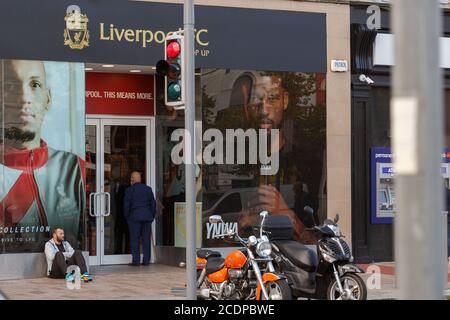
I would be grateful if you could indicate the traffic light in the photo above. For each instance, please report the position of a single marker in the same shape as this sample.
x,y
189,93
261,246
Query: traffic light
x,y
172,70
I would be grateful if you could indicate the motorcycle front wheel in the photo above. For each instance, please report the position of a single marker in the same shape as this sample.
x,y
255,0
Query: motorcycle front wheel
x,y
353,285
278,290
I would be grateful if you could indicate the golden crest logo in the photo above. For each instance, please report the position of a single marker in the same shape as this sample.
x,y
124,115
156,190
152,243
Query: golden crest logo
x,y
76,34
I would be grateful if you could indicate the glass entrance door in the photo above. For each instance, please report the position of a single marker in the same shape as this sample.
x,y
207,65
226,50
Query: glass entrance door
x,y
120,146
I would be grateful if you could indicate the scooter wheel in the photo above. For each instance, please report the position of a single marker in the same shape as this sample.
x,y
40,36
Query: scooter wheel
x,y
354,288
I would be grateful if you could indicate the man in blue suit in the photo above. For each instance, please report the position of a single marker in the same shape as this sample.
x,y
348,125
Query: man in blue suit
x,y
139,210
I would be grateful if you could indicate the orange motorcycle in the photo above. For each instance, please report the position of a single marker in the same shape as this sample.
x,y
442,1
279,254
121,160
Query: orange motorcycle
x,y
244,274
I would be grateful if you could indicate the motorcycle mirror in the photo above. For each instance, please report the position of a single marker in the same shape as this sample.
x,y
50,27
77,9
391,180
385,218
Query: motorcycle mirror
x,y
308,220
263,214
336,219
308,210
215,219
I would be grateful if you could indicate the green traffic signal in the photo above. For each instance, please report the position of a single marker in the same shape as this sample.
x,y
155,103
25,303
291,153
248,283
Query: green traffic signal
x,y
174,91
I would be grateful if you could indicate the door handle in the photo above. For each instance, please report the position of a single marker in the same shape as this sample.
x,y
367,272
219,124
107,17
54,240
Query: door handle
x,y
108,203
91,200
97,214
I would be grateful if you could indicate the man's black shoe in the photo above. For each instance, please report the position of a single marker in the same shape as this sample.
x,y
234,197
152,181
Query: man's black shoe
x,y
133,264
145,264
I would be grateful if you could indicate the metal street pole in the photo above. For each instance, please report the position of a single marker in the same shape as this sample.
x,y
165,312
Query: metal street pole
x,y
189,118
417,125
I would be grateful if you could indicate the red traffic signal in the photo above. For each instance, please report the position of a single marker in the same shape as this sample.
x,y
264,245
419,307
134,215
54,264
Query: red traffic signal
x,y
173,49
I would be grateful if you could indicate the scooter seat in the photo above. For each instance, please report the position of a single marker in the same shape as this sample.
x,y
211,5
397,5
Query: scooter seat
x,y
214,264
299,254
205,253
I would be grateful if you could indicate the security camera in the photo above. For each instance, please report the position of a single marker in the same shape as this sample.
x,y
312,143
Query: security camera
x,y
366,79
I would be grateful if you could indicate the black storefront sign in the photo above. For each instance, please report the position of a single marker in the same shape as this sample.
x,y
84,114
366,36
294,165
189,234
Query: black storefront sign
x,y
130,32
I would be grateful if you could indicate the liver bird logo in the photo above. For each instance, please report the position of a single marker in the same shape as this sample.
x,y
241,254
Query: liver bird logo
x,y
76,33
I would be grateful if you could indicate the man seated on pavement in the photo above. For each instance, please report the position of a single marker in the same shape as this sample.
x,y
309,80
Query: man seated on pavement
x,y
60,255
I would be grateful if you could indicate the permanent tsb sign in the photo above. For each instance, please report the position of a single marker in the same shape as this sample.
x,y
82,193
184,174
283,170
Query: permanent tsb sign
x,y
132,32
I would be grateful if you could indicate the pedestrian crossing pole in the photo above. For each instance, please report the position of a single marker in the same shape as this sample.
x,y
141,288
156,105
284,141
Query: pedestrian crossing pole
x,y
417,141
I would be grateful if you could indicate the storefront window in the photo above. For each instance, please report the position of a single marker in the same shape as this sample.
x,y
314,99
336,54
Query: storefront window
x,y
42,153
170,177
293,105
290,108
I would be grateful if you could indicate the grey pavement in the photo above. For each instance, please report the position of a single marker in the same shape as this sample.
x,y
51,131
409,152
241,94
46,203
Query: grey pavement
x,y
154,282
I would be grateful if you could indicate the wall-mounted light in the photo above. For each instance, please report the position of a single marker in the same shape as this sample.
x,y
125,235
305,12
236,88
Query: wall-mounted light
x,y
107,65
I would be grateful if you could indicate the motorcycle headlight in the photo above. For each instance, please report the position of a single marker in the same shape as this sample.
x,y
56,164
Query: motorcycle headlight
x,y
328,258
264,249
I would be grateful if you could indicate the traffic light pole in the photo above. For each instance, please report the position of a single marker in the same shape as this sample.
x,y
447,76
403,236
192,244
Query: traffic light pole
x,y
189,114
417,126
